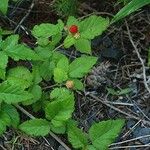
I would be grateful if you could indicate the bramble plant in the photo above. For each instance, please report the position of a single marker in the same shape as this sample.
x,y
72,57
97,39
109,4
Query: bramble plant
x,y
22,85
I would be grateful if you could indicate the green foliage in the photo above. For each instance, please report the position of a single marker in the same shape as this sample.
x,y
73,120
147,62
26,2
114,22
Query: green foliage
x,y
131,7
102,134
77,137
35,127
81,66
4,6
66,7
51,80
89,28
19,76
12,94
118,92
11,111
61,108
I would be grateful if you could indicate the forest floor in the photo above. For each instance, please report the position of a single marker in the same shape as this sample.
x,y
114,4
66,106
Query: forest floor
x,y
116,84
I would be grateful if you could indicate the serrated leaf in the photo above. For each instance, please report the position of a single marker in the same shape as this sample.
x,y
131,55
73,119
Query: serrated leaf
x,y
36,91
10,42
43,52
43,41
36,74
46,69
63,64
35,127
13,114
72,21
60,75
93,26
20,76
78,85
4,6
59,111
60,93
45,30
81,66
4,118
22,52
77,137
69,41
12,94
83,45
102,134
58,130
3,64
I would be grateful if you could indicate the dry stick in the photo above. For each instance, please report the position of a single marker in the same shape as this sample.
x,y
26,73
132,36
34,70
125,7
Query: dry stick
x,y
139,56
52,134
27,14
116,109
137,138
133,146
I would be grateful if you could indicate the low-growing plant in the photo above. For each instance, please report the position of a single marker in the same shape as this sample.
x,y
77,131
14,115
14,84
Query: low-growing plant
x,y
63,77
66,8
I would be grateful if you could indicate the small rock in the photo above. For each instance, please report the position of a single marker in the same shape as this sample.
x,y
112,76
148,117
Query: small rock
x,y
142,132
61,148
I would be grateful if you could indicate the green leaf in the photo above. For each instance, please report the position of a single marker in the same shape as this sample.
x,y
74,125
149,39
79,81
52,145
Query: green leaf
x,y
10,42
60,93
60,25
60,75
72,21
46,69
58,130
22,52
20,76
45,30
77,137
102,134
4,118
43,52
13,114
43,41
81,66
4,6
69,41
59,111
78,85
36,75
83,45
35,127
93,26
124,91
63,64
13,94
36,91
3,64
131,7
91,147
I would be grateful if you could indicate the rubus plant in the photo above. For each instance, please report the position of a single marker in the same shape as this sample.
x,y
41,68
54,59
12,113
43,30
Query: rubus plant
x,y
20,85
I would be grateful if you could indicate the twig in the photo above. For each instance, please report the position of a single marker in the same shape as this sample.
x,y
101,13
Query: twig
x,y
139,56
116,109
27,14
51,133
132,146
137,138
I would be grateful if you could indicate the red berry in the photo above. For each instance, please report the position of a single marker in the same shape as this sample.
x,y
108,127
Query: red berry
x,y
73,29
